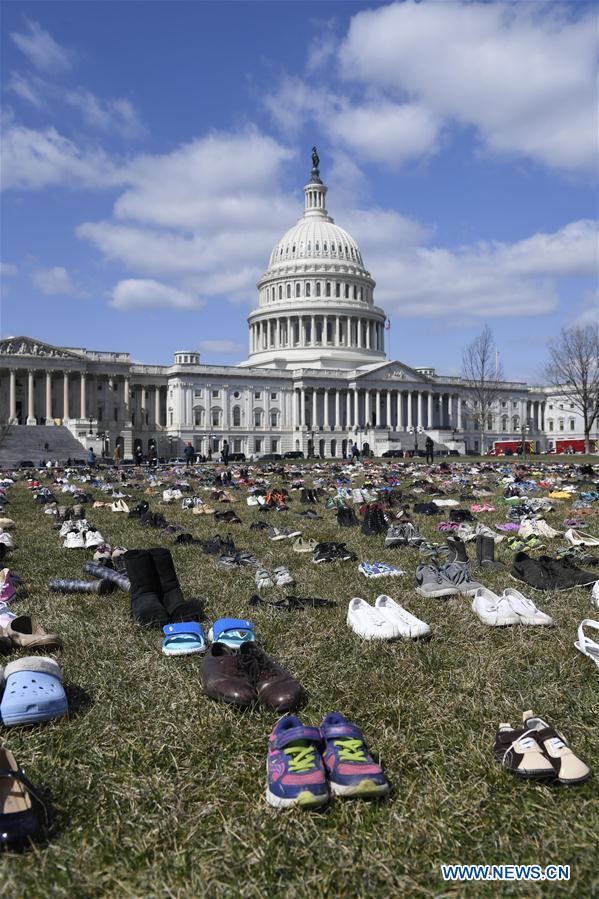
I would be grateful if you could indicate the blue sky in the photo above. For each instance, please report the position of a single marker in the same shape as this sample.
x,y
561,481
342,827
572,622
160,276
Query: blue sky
x,y
153,153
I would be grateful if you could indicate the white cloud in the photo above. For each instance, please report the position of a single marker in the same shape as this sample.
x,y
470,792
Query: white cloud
x,y
224,347
106,115
26,88
522,74
55,280
482,280
41,49
144,293
387,132
7,269
35,159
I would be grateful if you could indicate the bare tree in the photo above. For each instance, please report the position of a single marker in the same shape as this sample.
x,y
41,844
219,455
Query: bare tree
x,y
483,373
573,370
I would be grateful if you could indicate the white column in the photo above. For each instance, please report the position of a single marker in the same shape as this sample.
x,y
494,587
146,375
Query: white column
x,y
410,419
30,398
49,398
388,409
302,406
429,413
294,408
378,404
144,405
420,408
367,408
399,410
325,330
157,406
65,395
126,399
12,398
337,408
327,396
338,322
82,404
367,334
347,409
314,408
459,413
312,330
356,420
359,332
302,331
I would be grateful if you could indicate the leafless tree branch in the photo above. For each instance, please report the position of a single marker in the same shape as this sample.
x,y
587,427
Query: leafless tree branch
x,y
573,370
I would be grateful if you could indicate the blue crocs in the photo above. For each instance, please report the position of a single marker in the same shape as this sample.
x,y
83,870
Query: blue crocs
x,y
33,691
183,638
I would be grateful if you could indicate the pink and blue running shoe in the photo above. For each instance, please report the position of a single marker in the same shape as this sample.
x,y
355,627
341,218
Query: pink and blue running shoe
x,y
351,770
295,772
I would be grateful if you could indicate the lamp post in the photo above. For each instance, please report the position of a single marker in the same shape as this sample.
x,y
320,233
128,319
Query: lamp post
x,y
525,429
90,420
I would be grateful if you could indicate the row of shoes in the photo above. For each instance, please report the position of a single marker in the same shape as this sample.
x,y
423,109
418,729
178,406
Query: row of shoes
x,y
306,765
386,620
537,750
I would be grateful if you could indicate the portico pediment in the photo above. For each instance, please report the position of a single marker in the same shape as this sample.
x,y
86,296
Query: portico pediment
x,y
27,346
391,371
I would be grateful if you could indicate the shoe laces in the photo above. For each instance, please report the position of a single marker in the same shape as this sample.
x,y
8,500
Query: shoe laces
x,y
302,757
351,750
253,662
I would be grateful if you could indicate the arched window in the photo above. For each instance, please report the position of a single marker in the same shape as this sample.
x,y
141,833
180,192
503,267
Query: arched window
x,y
236,417
317,247
489,422
328,289
289,291
504,423
515,423
318,288
308,288
355,292
258,418
297,289
274,418
347,291
337,289
216,417
198,417
324,247
280,291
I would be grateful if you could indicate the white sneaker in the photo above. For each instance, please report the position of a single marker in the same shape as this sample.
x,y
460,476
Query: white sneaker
x,y
74,540
93,538
368,622
525,608
407,625
595,594
577,538
7,540
492,609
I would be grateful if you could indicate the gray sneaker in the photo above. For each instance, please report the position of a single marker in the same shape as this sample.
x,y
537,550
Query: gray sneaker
x,y
458,574
431,581
395,536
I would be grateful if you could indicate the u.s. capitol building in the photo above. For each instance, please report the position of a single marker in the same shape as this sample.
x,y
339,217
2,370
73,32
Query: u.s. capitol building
x,y
316,377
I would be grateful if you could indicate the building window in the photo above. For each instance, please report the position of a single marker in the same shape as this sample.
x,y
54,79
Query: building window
x,y
215,394
328,289
289,291
236,394
236,417
550,423
116,413
347,291
551,405
297,289
257,444
355,292
318,288
197,392
274,445
258,395
170,418
198,417
337,289
504,423
258,418
561,424
273,396
274,419
503,404
216,418
515,423
571,405
308,288
280,291
572,424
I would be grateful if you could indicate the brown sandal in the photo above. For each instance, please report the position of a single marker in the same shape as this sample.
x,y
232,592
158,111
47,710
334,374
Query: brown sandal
x,y
26,632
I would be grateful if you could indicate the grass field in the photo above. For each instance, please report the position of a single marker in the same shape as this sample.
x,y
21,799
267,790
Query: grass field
x,y
158,791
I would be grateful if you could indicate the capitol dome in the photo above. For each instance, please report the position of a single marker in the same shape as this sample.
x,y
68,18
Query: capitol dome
x,y
316,306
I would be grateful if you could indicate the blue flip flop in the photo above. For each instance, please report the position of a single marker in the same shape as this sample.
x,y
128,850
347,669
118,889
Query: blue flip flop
x,y
232,632
33,691
183,638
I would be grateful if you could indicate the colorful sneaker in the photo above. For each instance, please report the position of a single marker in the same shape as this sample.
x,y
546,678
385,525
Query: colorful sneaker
x,y
351,770
295,772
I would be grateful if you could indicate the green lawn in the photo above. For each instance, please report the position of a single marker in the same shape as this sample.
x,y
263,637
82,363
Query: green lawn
x,y
159,792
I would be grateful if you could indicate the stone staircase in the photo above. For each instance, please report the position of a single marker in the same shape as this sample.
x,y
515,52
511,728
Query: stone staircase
x,y
19,443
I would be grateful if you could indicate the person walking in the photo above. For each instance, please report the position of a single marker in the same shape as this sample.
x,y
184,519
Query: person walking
x,y
139,456
225,453
91,458
428,445
116,455
189,454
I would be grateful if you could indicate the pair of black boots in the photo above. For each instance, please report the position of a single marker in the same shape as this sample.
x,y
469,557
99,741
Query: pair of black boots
x,y
156,597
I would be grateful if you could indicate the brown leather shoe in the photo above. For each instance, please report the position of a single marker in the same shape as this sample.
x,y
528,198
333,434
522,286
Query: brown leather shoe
x,y
275,687
225,677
